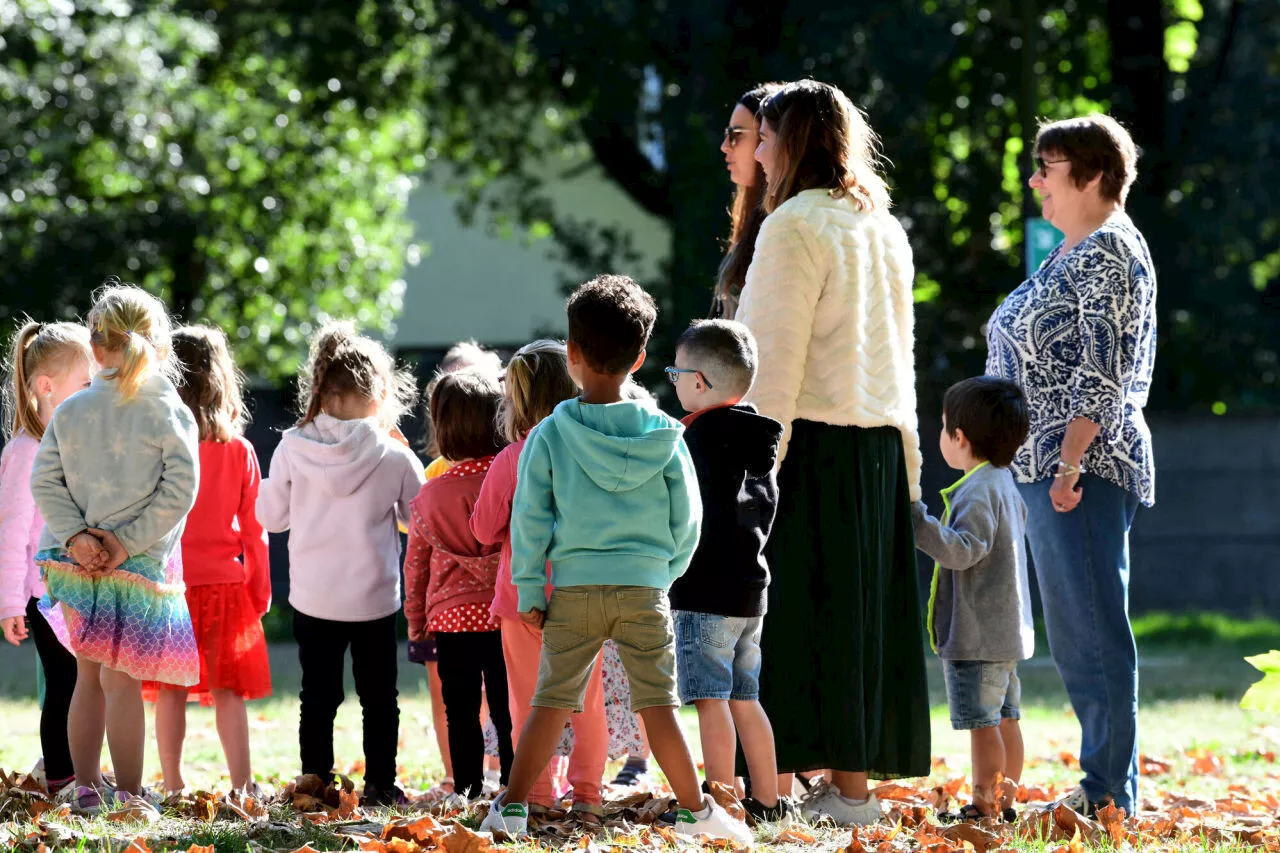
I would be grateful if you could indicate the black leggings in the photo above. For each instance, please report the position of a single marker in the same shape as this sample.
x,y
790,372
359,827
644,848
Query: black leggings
x,y
466,659
59,667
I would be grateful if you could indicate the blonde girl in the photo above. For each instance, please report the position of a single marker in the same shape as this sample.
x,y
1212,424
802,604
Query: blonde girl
x,y
48,362
114,478
224,563
340,482
537,380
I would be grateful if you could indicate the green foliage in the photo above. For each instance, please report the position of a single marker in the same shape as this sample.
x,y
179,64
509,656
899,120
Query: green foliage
x,y
230,160
1265,694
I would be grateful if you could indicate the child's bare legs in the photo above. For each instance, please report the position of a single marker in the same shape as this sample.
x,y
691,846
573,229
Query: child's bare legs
x,y
491,762
852,786
87,724
756,733
233,732
1011,734
126,727
670,750
438,719
988,756
171,731
538,742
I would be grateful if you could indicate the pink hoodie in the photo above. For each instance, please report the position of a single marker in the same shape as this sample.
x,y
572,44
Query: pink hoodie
x,y
491,524
20,526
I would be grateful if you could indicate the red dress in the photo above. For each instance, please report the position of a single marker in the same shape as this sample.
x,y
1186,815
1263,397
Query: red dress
x,y
228,577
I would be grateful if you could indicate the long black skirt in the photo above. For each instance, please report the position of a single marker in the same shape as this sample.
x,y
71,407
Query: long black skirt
x,y
843,676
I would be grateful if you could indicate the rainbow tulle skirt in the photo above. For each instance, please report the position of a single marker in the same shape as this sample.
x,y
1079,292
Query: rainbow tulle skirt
x,y
132,619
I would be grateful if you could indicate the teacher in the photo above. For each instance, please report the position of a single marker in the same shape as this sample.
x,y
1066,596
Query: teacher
x,y
1079,336
828,297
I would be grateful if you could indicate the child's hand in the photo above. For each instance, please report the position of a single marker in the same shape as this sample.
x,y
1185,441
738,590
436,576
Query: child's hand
x,y
399,436
115,550
534,617
87,550
15,629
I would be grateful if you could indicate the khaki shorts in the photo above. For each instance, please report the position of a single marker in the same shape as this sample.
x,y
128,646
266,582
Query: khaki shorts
x,y
581,618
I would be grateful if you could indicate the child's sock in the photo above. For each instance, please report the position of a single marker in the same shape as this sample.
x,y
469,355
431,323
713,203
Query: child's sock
x,y
852,801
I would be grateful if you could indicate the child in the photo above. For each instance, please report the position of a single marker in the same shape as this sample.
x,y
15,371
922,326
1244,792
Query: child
x,y
719,604
607,491
537,380
224,563
48,362
981,569
449,576
340,482
114,478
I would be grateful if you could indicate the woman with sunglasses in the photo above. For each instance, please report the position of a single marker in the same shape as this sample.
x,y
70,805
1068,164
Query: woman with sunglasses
x,y
739,147
1079,336
828,297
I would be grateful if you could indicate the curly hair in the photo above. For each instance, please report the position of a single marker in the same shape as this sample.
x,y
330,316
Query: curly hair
x,y
342,362
610,321
211,386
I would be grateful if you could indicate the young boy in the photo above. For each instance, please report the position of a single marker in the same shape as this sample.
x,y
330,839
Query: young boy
x,y
979,603
607,492
719,604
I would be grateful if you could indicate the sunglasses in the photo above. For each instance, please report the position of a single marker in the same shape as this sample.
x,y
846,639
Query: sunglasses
x,y
673,373
1042,165
733,134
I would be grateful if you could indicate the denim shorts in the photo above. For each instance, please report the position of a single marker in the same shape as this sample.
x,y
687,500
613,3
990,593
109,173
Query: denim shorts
x,y
982,693
717,657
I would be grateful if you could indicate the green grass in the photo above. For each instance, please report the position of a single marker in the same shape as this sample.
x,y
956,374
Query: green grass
x,y
1192,676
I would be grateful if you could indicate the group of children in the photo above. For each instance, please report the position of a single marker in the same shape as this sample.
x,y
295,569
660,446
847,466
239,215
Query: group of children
x,y
570,515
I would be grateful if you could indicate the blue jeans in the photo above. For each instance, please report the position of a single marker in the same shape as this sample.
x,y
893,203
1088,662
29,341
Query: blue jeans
x,y
982,693
717,657
1082,565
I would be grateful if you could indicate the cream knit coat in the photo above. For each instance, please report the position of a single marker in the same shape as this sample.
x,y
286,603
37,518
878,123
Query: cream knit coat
x,y
828,298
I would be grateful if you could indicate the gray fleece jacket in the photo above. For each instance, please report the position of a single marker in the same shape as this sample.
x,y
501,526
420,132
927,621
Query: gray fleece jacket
x,y
979,601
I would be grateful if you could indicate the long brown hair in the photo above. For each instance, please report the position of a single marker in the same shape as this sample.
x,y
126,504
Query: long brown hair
x,y
38,348
211,386
746,214
537,381
343,362
823,142
127,319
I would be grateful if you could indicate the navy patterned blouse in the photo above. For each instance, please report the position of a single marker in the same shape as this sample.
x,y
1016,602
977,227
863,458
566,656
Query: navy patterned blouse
x,y
1079,337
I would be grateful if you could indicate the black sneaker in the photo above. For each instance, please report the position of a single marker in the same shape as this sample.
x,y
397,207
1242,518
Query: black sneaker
x,y
375,795
633,772
784,813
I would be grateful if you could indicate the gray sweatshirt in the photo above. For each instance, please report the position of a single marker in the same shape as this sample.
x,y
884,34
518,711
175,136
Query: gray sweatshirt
x,y
980,601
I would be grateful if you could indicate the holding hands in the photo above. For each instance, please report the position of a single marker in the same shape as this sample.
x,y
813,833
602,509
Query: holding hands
x,y
97,550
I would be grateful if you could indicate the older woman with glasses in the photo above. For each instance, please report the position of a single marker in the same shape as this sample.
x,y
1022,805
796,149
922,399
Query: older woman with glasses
x,y
1079,336
739,149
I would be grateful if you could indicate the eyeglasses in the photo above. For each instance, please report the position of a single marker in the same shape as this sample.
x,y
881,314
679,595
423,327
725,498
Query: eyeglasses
x,y
673,373
731,136
1042,165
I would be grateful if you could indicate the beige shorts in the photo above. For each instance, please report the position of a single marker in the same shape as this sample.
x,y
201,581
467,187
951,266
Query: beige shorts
x,y
581,618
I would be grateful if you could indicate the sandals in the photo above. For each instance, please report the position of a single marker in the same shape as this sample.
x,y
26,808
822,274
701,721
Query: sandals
x,y
588,813
972,814
630,774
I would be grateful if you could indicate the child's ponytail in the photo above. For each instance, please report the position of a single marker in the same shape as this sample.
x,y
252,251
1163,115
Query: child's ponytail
x,y
37,348
340,361
128,320
537,381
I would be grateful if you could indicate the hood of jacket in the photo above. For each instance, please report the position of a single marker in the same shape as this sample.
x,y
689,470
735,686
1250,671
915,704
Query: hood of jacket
x,y
337,456
620,446
741,433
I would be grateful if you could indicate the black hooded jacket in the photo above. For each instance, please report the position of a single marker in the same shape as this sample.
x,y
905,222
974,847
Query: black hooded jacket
x,y
734,449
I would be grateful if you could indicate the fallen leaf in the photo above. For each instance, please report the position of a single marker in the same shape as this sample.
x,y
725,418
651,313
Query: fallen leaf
x,y
1149,766
413,829
981,839
1077,844
135,810
795,834
1069,760
348,803
197,848
462,840
728,800
1207,765
1112,820
896,791
138,845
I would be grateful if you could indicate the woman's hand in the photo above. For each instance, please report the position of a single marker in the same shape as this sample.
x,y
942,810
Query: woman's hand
x,y
1065,493
15,629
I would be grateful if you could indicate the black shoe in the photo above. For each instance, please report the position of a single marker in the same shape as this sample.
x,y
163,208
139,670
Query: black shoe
x,y
784,812
631,773
378,796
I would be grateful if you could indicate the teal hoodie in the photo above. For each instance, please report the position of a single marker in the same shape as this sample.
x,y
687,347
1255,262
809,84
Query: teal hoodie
x,y
608,493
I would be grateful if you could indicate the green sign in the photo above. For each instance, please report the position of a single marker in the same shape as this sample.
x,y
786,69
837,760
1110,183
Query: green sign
x,y
1041,238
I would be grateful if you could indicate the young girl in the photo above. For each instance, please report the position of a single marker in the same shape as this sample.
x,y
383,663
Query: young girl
x,y
449,576
224,563
537,380
341,481
114,479
48,362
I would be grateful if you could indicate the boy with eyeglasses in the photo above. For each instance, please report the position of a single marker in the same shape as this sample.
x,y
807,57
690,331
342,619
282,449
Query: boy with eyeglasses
x,y
719,603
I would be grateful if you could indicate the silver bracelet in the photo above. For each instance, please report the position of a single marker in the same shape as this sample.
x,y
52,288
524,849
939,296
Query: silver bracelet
x,y
1066,469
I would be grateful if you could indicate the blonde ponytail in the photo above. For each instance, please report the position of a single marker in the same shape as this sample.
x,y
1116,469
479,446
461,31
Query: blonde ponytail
x,y
38,348
128,320
537,381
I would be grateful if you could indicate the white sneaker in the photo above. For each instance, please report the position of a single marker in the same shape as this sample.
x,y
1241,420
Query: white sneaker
x,y
1078,801
492,783
828,804
713,821
511,819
